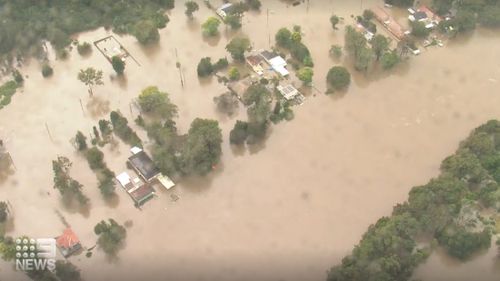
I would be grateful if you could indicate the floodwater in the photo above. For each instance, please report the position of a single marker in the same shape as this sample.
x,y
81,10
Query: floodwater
x,y
288,210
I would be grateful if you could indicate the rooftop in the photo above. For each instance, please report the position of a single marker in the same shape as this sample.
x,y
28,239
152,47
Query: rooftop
x,y
141,162
67,240
268,55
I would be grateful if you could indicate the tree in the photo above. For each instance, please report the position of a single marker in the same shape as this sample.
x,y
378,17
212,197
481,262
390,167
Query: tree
x,y
338,77
205,67
211,26
123,130
47,70
239,133
368,15
220,64
18,77
336,51
227,103
95,158
283,37
111,236
254,4
66,271
4,212
380,44
418,29
146,32
191,7
84,48
461,243
118,64
202,149
234,74
305,74
334,20
158,103
490,16
69,188
233,20
363,59
80,141
389,59
296,37
104,127
90,77
237,47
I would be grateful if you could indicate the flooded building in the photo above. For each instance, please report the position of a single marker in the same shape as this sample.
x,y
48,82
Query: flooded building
x,y
224,10
110,47
424,15
389,23
68,243
138,190
276,62
256,63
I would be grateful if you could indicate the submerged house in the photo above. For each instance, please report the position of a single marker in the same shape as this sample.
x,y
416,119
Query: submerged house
x,y
68,243
256,63
143,165
389,23
224,10
425,15
276,62
138,190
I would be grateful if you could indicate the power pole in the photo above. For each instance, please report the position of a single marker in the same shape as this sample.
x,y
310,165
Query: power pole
x,y
48,132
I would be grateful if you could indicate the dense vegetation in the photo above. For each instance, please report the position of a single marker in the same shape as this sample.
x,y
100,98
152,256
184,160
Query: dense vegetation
x,y
123,130
196,152
26,23
7,90
448,208
467,14
95,159
292,41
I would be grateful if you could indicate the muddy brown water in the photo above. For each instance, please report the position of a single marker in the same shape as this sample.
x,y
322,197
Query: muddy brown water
x,y
288,210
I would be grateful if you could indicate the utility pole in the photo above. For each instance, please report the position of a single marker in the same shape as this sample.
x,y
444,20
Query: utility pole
x,y
268,31
48,132
81,106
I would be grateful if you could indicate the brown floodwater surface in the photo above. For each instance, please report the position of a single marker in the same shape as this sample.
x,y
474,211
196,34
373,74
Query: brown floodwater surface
x,y
288,210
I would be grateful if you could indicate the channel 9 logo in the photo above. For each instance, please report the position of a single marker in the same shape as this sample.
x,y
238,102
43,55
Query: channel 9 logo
x,y
35,254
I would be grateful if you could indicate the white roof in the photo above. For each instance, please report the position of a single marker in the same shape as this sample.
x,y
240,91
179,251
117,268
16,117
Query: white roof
x,y
277,61
288,91
281,70
123,178
135,150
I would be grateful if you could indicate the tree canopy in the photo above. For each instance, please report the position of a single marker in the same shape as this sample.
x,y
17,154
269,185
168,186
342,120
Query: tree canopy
x,y
111,236
191,7
237,47
211,26
338,77
27,23
153,101
202,150
118,65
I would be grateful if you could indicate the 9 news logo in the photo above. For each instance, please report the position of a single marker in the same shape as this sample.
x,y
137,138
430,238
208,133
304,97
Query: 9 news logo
x,y
35,254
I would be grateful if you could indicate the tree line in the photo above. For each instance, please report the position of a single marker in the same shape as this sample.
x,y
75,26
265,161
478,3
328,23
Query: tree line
x,y
448,209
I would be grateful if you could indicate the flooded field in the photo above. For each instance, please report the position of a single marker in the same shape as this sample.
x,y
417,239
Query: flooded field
x,y
288,210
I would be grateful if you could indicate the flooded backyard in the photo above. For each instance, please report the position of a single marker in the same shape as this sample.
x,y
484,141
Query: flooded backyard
x,y
286,210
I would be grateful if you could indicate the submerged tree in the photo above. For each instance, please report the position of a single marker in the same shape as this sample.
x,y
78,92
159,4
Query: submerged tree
x,y
211,26
118,64
153,101
111,236
191,7
4,212
305,74
68,187
334,20
90,77
202,150
66,271
237,47
338,77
